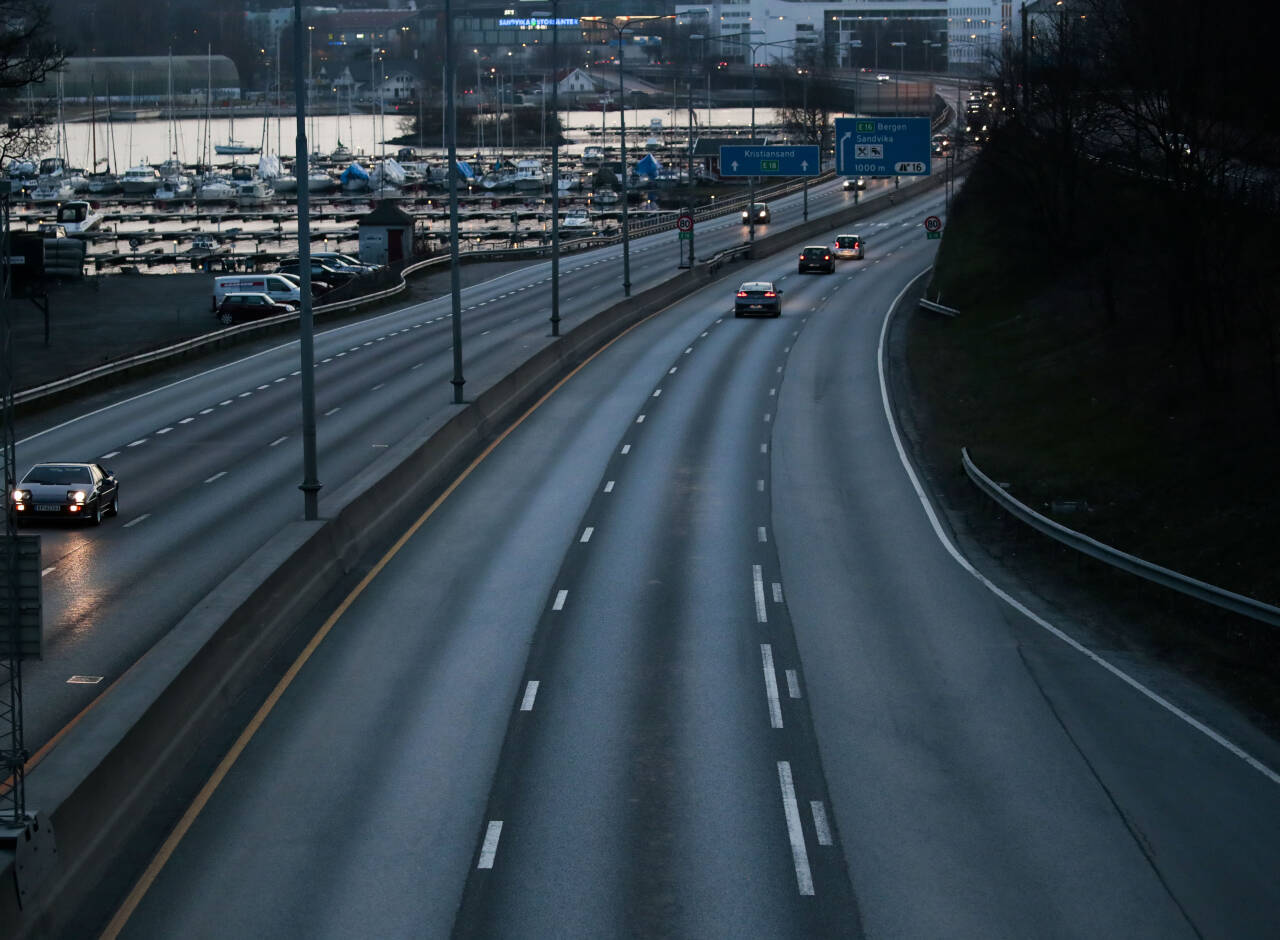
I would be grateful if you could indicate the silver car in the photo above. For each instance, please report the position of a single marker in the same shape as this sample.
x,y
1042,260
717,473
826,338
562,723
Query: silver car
x,y
79,491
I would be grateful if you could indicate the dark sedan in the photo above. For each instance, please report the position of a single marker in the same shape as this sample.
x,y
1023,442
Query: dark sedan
x,y
237,308
79,491
757,213
816,258
758,299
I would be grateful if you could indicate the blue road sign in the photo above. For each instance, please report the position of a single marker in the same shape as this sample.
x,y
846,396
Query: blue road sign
x,y
882,146
771,161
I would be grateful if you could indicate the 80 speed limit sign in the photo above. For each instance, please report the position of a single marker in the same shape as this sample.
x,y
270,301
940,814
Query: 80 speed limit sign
x,y
933,224
685,223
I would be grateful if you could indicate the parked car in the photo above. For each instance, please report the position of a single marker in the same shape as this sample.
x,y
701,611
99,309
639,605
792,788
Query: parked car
x,y
758,212
317,287
758,299
237,308
848,247
816,258
319,271
276,286
854,183
336,260
79,491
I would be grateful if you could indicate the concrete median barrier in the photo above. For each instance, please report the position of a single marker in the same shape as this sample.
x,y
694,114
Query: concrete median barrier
x,y
97,785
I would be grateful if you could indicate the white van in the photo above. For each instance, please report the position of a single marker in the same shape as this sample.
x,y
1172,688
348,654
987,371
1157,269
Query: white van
x,y
278,288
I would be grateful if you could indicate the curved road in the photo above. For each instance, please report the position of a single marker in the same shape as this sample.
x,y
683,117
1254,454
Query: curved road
x,y
686,655
209,456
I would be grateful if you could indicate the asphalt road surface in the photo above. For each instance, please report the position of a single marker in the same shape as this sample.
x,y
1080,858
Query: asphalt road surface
x,y
686,655
209,456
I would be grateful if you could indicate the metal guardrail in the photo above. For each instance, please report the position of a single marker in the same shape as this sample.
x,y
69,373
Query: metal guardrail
x,y
939,308
1210,594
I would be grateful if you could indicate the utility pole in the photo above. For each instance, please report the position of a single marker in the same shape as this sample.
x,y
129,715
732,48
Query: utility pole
x,y
555,168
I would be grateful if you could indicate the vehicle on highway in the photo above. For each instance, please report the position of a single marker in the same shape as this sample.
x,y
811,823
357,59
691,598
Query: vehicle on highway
x,y
816,258
758,299
882,77
319,271
80,491
759,212
238,308
848,247
851,182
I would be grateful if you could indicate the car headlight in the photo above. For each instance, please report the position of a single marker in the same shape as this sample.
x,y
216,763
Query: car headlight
x,y
77,496
19,496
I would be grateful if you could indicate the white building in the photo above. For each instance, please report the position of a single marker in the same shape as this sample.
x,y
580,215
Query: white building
x,y
884,35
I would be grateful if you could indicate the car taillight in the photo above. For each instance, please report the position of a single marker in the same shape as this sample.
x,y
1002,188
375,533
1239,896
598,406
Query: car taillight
x,y
826,257
742,293
770,293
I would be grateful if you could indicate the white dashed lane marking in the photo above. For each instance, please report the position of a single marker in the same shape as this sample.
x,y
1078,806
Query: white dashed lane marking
x,y
530,693
278,440
133,522
489,850
561,596
114,453
164,430
216,476
138,443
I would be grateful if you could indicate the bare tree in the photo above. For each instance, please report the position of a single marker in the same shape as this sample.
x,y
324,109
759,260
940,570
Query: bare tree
x,y
27,55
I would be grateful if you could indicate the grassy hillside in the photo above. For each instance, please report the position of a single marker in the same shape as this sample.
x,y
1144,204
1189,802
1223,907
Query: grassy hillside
x,y
1129,363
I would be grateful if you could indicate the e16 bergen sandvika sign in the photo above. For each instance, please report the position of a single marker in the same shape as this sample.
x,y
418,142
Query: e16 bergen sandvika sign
x,y
882,146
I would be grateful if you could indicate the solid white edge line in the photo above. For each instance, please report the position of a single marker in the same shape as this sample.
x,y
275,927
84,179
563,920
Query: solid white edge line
x,y
1035,618
530,693
489,850
820,824
757,586
771,686
790,809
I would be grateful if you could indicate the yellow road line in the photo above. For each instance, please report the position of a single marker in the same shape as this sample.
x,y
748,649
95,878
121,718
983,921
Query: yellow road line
x,y
161,858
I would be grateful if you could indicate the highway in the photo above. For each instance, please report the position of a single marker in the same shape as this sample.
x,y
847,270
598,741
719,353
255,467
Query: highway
x,y
209,455
688,654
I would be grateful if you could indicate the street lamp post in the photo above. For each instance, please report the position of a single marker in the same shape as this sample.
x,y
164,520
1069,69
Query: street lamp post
x,y
897,83
751,184
692,38
629,21
555,166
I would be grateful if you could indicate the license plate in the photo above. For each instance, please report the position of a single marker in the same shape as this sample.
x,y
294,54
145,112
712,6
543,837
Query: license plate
x,y
48,509
757,306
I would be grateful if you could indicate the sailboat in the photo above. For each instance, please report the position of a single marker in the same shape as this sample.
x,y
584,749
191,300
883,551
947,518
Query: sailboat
x,y
234,147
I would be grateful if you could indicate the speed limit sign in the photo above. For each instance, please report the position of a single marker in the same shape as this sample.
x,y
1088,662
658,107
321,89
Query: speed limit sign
x,y
685,223
933,224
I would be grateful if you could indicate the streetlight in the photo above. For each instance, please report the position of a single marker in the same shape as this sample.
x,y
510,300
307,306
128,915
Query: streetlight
x,y
897,82
628,22
751,184
555,165
692,38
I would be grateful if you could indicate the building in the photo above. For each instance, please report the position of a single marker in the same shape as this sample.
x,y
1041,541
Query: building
x,y
881,35
386,235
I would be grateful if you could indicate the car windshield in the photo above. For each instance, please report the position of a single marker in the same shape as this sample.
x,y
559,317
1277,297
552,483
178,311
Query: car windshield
x,y
58,475
814,252
755,287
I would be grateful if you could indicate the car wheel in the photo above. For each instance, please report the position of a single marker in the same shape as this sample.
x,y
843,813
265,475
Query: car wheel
x,y
114,510
226,319
96,517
